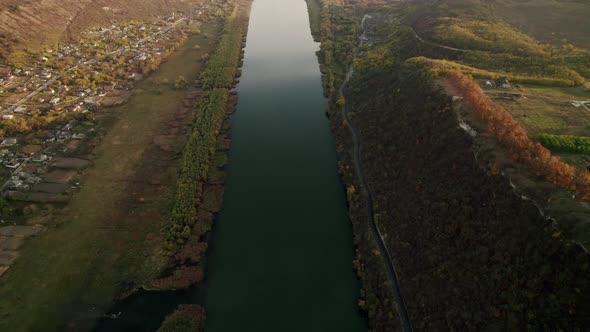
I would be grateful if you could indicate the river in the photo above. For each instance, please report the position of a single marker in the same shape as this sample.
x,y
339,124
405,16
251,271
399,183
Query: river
x,y
281,251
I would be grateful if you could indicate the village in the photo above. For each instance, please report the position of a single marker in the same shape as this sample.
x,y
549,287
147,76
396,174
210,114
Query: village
x,y
48,106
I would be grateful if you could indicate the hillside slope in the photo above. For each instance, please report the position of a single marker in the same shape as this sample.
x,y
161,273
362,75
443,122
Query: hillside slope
x,y
470,253
39,22
552,21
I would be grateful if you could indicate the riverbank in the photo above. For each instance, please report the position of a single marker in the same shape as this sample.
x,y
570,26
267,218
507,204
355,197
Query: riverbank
x,y
107,241
377,297
200,186
197,197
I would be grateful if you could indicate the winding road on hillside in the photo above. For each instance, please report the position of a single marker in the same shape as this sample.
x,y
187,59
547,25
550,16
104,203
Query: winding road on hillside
x,y
435,44
387,258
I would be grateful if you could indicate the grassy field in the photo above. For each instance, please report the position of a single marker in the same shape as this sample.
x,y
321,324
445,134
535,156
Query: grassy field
x,y
570,93
106,242
541,112
547,110
495,49
486,36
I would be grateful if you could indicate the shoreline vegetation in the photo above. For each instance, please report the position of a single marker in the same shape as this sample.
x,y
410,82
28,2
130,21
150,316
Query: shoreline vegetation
x,y
479,241
199,189
336,53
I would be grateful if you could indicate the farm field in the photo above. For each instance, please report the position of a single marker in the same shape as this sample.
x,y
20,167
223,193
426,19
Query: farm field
x,y
548,110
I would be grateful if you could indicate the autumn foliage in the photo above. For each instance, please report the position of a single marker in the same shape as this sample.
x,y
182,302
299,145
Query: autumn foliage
x,y
187,317
511,135
182,278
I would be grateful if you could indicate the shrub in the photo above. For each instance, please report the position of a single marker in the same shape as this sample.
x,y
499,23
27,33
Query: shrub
x,y
222,66
566,143
197,156
186,318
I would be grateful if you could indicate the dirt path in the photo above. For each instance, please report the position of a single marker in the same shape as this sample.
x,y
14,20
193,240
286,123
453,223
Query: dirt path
x,y
435,44
387,258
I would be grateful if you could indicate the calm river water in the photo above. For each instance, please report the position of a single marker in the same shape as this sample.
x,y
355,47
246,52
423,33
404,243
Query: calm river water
x,y
281,252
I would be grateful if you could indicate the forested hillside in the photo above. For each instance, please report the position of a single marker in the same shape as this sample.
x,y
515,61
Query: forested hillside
x,y
552,21
454,106
470,253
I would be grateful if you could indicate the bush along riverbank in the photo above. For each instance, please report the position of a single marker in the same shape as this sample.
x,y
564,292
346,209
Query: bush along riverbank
x,y
199,189
187,318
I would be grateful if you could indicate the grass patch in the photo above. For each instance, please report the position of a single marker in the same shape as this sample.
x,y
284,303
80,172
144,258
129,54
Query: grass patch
x,y
486,36
443,67
567,93
187,318
543,122
545,111
579,161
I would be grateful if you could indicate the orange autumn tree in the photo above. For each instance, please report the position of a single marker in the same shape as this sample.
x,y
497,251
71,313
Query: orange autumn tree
x,y
514,138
